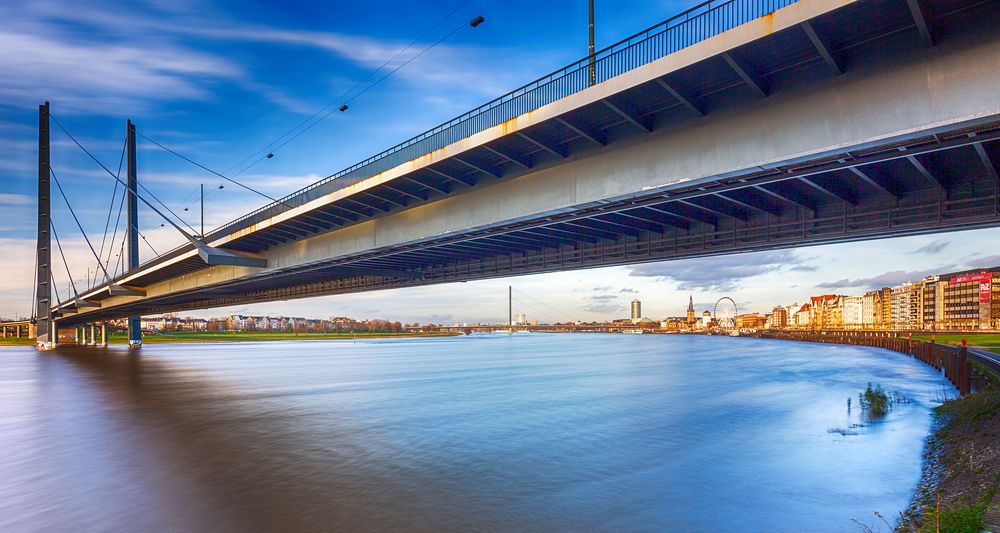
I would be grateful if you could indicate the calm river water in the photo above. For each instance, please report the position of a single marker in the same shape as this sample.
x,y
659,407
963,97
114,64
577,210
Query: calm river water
x,y
526,432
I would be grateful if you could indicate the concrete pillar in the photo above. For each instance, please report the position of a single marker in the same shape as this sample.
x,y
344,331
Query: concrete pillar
x,y
76,334
5,332
104,334
83,334
17,331
132,227
53,333
93,334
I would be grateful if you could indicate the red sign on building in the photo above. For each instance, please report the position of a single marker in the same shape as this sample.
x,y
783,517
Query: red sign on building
x,y
985,280
982,276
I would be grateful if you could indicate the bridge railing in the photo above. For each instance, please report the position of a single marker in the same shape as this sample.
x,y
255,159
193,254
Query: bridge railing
x,y
697,24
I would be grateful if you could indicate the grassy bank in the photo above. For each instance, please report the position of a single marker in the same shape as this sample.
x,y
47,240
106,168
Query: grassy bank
x,y
965,454
988,341
243,336
17,341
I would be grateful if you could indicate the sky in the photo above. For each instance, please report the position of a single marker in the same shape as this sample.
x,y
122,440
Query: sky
x,y
220,81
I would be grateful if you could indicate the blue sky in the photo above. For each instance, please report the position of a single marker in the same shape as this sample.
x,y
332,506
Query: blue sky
x,y
217,81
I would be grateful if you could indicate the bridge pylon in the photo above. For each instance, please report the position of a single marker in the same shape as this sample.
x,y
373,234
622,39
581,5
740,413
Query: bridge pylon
x,y
45,338
132,243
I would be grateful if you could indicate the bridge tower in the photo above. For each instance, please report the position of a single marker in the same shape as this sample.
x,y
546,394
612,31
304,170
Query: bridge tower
x,y
134,329
43,283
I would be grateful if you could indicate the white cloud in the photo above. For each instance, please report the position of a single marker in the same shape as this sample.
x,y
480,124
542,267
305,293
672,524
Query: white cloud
x,y
87,76
724,273
16,199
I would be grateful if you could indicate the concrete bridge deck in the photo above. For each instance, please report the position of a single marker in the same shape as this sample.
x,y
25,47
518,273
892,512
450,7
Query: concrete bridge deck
x,y
824,121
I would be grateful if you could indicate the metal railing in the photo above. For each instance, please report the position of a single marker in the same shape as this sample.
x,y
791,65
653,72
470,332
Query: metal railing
x,y
678,32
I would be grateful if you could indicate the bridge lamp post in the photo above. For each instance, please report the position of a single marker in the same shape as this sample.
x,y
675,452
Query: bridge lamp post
x,y
202,189
590,48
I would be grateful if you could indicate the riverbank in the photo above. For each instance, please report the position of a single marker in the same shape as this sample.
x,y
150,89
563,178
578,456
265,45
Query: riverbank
x,y
961,467
17,341
243,336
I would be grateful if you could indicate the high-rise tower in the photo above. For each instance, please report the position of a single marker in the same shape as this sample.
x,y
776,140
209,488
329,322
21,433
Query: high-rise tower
x,y
636,310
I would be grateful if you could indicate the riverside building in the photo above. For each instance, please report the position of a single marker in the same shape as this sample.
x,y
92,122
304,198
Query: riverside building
x,y
969,301
853,307
957,301
905,312
827,312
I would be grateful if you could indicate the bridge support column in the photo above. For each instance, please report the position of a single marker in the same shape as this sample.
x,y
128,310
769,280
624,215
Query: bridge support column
x,y
132,241
5,332
53,335
43,275
104,334
93,334
76,334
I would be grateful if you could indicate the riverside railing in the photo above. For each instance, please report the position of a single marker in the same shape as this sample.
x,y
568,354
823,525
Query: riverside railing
x,y
952,360
678,32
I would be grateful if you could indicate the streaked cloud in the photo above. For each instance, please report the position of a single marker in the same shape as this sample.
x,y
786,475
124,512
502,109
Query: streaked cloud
x,y
16,199
723,273
89,76
931,248
885,279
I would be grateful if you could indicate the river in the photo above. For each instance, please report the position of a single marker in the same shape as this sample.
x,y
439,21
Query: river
x,y
527,432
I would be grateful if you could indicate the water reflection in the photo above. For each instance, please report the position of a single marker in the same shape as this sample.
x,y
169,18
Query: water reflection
x,y
530,432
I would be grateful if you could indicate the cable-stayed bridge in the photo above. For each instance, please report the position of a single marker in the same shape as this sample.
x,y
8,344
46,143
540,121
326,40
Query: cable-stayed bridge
x,y
736,126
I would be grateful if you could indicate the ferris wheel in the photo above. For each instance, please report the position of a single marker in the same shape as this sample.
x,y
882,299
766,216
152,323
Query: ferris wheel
x,y
725,313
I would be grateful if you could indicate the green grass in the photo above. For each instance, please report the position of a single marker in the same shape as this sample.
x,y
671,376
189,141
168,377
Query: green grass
x,y
989,341
960,519
17,341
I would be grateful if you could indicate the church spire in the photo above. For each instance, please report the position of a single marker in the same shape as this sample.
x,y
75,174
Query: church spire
x,y
690,303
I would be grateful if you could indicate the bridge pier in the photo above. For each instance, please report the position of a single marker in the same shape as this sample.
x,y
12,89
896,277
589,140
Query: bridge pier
x,y
76,334
53,335
104,335
93,334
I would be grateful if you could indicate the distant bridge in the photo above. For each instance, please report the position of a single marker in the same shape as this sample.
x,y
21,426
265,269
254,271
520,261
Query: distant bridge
x,y
737,126
17,328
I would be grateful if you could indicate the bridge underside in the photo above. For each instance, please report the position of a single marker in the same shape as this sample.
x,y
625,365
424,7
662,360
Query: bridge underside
x,y
943,182
943,178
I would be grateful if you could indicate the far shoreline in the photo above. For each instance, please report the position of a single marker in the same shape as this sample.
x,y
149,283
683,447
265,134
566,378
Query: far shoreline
x,y
189,337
